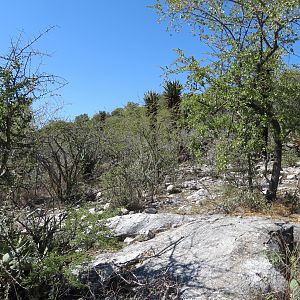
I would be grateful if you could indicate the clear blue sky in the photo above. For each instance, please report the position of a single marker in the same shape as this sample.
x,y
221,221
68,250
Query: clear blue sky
x,y
110,52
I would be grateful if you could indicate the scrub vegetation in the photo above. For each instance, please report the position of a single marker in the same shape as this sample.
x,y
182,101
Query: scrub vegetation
x,y
237,109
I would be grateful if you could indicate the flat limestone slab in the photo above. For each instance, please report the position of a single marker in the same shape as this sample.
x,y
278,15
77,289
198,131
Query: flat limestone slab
x,y
214,257
141,223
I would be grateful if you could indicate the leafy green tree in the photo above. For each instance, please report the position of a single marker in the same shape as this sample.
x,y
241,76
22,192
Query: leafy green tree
x,y
100,117
81,119
138,156
117,112
237,92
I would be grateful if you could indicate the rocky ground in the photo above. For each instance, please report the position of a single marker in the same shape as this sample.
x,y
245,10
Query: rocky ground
x,y
196,188
213,257
209,255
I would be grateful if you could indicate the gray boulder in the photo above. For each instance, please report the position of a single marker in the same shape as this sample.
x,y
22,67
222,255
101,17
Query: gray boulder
x,y
172,189
150,210
140,223
213,257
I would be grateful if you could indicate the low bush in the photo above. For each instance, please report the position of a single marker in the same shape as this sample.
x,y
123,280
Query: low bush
x,y
40,250
290,157
234,199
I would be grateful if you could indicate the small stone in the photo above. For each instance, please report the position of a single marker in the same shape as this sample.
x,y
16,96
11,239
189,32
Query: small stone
x,y
129,240
185,185
150,234
92,210
202,192
124,211
182,208
171,189
98,196
106,206
170,201
150,210
194,188
291,177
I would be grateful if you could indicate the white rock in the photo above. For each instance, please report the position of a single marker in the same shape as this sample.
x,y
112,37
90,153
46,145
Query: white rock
x,y
106,206
124,211
92,210
139,223
129,240
98,196
218,257
171,189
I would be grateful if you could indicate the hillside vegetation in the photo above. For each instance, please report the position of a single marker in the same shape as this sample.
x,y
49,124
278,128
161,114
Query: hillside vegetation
x,y
238,112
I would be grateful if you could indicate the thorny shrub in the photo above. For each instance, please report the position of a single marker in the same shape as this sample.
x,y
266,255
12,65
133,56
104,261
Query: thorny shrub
x,y
39,250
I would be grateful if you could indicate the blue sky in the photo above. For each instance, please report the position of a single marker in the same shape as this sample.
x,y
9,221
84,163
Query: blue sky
x,y
110,52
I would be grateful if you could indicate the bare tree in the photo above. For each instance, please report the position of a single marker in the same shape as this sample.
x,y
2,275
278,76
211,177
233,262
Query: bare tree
x,y
21,84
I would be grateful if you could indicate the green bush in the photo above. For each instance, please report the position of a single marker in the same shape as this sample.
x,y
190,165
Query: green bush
x,y
235,198
290,158
40,251
140,157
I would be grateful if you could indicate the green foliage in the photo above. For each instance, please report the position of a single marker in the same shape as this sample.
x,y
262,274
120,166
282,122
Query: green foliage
x,y
123,157
81,119
235,199
68,155
40,251
91,231
20,86
140,156
117,112
100,117
290,158
15,111
221,23
246,93
286,260
151,100
172,94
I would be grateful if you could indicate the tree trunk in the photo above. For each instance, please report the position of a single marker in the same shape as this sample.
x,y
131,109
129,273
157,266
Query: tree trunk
x,y
273,184
250,172
265,133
